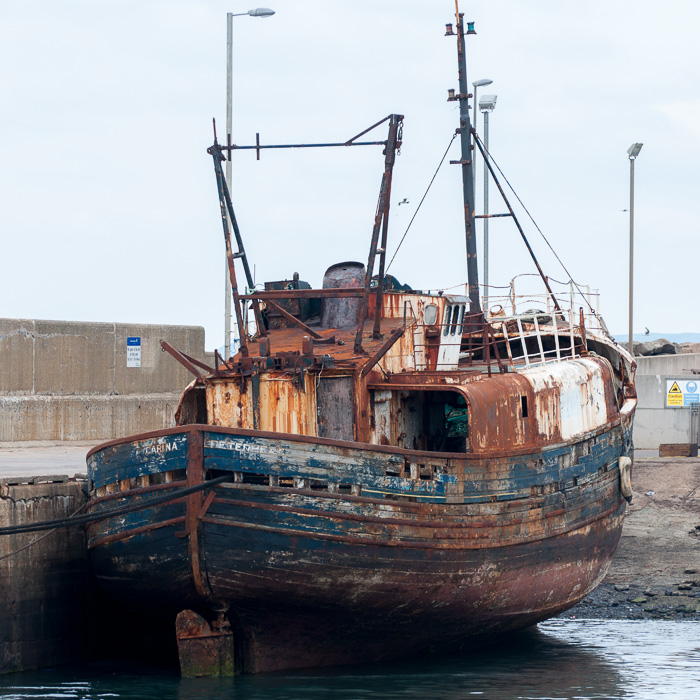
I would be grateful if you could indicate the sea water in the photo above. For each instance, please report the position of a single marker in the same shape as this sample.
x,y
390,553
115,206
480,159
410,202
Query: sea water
x,y
563,658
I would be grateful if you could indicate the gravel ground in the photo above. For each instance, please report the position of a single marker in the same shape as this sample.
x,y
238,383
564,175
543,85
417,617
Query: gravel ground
x,y
656,571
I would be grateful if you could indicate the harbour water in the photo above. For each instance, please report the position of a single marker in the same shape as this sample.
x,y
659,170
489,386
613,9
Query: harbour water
x,y
560,659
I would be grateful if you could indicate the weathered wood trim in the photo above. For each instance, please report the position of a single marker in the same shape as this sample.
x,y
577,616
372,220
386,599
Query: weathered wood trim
x,y
465,544
195,476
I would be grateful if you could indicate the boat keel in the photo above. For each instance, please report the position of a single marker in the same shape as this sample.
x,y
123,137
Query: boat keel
x,y
204,649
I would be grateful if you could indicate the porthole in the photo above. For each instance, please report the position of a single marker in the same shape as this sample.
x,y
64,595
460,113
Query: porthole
x,y
429,314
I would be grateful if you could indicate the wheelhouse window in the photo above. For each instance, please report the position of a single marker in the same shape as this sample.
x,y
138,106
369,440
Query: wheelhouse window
x,y
453,319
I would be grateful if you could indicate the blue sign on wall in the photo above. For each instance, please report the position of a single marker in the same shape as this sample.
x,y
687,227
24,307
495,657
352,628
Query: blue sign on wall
x,y
133,352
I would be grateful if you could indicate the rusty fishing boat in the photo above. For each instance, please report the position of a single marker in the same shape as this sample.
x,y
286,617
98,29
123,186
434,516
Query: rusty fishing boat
x,y
376,470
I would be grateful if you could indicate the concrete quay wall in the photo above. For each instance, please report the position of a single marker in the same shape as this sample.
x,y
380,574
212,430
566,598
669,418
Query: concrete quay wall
x,y
46,594
66,380
654,423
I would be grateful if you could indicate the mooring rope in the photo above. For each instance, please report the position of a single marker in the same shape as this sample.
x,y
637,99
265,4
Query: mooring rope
x,y
103,515
39,539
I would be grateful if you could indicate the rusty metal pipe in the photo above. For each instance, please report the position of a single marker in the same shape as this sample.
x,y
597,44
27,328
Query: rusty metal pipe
x,y
294,319
393,141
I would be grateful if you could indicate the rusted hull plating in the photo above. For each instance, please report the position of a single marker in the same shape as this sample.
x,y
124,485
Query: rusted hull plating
x,y
324,556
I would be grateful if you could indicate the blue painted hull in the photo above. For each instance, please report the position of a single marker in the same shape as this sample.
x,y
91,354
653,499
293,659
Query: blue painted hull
x,y
328,552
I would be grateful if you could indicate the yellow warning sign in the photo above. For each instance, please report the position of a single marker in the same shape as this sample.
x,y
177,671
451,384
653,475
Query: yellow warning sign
x,y
674,396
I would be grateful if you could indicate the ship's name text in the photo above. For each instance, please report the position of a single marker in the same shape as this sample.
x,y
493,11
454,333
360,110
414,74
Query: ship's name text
x,y
245,447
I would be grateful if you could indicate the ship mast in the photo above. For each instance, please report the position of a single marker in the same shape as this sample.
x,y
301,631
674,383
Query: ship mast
x,y
466,161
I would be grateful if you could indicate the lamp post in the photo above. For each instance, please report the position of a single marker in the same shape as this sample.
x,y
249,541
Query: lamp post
x,y
632,152
257,12
477,84
487,104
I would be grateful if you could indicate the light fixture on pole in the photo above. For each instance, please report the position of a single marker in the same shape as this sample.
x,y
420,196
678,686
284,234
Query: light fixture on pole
x,y
257,12
632,152
477,84
486,104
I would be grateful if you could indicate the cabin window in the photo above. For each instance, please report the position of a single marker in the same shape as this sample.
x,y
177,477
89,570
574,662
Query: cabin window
x,y
523,403
453,319
430,314
460,321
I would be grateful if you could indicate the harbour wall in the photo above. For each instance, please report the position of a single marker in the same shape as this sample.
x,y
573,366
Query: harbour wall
x,y
66,380
46,595
654,423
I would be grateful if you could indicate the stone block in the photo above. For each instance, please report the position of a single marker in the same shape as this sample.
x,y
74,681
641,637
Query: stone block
x,y
159,372
73,358
45,589
16,356
26,418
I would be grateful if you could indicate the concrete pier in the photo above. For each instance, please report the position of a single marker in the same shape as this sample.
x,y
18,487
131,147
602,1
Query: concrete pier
x,y
64,380
45,587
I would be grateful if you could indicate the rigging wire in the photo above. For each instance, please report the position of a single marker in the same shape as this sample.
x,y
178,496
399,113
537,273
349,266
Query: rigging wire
x,y
442,160
571,279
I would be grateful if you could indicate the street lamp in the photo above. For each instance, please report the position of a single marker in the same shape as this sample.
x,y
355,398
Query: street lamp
x,y
477,84
487,104
632,152
257,12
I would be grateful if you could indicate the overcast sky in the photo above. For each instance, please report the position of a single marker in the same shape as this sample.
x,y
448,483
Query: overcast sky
x,y
108,205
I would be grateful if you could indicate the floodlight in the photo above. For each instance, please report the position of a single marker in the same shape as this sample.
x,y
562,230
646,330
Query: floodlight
x,y
633,150
488,103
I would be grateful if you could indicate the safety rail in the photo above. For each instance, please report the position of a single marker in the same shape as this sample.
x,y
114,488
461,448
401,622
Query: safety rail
x,y
570,296
504,342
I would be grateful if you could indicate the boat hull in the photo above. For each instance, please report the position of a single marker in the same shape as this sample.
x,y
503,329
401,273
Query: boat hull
x,y
315,568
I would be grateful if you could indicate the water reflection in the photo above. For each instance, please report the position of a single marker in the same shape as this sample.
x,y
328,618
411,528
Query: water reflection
x,y
561,659
533,664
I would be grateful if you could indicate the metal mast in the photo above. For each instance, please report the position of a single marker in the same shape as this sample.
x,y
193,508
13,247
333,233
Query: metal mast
x,y
466,161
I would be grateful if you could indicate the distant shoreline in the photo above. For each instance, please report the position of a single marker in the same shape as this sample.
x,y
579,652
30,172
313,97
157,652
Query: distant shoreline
x,y
672,337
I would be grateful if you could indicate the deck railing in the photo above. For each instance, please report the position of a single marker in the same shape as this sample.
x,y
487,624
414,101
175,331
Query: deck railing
x,y
527,339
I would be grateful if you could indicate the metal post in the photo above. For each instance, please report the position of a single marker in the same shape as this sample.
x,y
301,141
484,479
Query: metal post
x,y
631,290
694,423
466,161
486,212
475,109
632,152
257,12
229,124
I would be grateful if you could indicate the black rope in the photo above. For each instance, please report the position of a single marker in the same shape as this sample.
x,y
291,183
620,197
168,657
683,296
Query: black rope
x,y
95,517
39,539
